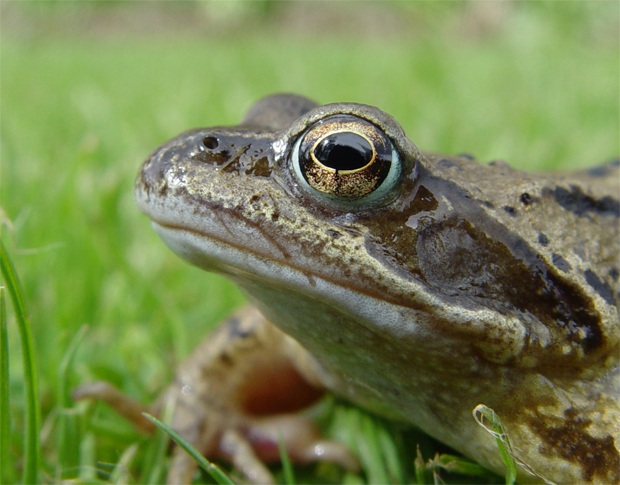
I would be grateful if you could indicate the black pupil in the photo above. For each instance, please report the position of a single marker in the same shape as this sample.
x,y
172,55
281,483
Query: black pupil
x,y
343,151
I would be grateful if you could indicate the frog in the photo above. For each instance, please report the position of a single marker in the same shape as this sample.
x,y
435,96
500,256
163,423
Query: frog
x,y
416,285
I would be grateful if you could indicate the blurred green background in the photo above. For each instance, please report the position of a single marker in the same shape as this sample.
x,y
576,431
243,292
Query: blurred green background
x,y
88,89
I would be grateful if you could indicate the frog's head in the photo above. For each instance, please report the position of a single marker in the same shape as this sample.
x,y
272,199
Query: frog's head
x,y
424,284
335,205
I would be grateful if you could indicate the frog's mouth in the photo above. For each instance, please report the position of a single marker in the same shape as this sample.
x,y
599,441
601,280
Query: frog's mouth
x,y
244,264
221,255
254,272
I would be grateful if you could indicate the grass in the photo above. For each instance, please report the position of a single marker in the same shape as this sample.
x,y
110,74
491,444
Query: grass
x,y
80,112
32,448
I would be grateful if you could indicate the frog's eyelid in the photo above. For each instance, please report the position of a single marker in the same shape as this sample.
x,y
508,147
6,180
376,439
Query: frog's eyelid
x,y
296,165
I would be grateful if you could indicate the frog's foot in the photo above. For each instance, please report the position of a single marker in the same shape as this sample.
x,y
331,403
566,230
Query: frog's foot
x,y
250,445
237,398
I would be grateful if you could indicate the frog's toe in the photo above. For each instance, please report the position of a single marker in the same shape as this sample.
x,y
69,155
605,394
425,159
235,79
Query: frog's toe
x,y
332,451
217,435
124,405
181,469
301,439
239,450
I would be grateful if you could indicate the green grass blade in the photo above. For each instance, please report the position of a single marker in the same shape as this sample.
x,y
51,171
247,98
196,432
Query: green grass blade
x,y
482,413
68,436
287,467
32,446
489,420
213,470
370,451
120,472
88,470
7,472
460,465
419,467
154,464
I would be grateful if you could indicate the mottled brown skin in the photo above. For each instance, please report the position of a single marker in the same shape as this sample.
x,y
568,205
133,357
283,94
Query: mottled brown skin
x,y
460,284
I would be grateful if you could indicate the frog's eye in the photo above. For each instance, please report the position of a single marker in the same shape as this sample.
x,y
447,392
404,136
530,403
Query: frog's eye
x,y
346,157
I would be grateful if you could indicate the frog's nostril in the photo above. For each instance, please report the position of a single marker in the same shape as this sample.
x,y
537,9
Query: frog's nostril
x,y
210,142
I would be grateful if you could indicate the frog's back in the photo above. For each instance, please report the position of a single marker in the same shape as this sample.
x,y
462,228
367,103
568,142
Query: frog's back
x,y
559,274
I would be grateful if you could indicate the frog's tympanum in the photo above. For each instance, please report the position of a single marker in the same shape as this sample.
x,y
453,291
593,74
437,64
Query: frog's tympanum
x,y
414,284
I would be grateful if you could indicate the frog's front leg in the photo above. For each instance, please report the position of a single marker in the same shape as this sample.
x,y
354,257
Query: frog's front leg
x,y
235,398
